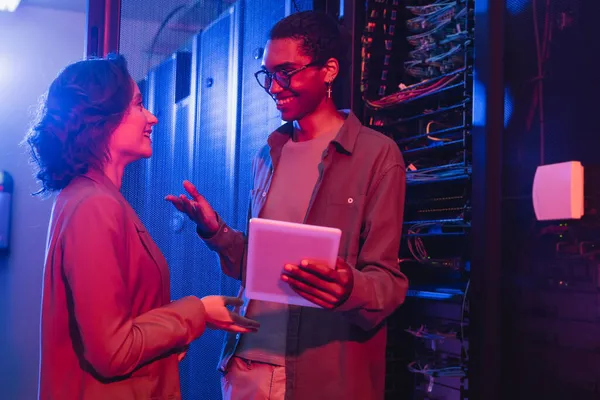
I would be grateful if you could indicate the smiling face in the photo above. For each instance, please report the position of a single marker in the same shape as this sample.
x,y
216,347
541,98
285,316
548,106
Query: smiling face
x,y
131,141
307,90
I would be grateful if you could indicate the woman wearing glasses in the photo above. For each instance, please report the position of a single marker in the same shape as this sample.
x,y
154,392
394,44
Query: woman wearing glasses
x,y
109,329
321,168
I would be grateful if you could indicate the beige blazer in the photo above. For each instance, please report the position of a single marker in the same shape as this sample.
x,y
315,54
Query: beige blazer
x,y
108,328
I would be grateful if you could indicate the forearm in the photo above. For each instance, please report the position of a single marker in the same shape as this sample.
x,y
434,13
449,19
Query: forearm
x,y
230,245
376,293
120,349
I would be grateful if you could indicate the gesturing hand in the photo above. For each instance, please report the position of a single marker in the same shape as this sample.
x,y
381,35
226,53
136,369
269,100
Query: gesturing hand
x,y
219,317
197,209
319,283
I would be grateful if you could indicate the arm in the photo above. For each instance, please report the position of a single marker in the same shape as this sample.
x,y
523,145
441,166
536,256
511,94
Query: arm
x,y
95,264
379,287
229,244
231,247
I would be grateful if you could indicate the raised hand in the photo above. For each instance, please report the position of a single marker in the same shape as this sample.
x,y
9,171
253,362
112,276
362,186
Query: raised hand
x,y
197,209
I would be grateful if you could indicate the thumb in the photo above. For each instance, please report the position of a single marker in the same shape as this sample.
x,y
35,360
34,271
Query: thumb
x,y
341,265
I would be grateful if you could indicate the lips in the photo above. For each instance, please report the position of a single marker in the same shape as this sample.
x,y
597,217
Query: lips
x,y
284,101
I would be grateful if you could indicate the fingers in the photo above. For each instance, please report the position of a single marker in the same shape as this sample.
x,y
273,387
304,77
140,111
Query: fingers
x,y
232,301
191,189
317,281
341,265
183,204
203,206
320,270
236,323
245,322
311,293
188,207
175,201
238,329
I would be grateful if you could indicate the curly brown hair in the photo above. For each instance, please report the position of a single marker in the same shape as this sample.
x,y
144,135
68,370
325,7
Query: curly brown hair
x,y
83,106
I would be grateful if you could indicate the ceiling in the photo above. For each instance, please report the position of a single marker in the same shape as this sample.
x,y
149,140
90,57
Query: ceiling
x,y
152,10
72,5
141,21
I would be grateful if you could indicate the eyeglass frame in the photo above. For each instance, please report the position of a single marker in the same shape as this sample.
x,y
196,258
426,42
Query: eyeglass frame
x,y
272,75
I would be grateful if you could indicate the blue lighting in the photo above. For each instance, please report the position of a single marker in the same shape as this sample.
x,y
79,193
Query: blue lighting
x,y
424,294
479,101
508,106
515,7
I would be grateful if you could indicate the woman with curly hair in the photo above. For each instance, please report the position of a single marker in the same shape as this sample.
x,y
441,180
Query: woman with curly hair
x,y
108,327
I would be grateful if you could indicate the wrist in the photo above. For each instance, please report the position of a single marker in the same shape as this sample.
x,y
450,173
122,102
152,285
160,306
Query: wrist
x,y
204,233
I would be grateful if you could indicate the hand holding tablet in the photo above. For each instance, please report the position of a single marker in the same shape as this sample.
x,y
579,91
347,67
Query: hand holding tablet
x,y
275,244
322,285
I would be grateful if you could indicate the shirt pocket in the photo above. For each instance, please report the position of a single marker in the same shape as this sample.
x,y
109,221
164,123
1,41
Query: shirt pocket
x,y
344,211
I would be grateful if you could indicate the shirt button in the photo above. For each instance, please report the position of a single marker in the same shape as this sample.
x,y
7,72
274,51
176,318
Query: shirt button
x,y
264,194
350,200
237,336
225,230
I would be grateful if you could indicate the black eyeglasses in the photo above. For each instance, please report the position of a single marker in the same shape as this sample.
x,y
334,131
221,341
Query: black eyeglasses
x,y
283,78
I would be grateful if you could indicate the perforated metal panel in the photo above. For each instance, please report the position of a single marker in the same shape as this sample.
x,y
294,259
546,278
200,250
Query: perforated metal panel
x,y
259,114
214,175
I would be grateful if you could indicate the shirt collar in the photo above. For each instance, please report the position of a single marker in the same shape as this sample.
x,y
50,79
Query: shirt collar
x,y
345,138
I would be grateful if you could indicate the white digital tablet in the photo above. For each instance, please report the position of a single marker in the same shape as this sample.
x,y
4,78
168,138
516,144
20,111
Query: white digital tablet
x,y
272,244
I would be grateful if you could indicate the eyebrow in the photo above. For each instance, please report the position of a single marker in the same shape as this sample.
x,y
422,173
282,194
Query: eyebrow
x,y
282,66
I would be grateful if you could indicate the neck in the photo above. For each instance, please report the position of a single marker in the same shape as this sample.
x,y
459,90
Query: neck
x,y
114,171
325,119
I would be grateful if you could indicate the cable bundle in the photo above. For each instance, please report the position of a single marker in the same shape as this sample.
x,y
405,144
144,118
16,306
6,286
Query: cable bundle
x,y
412,92
438,172
415,243
429,8
455,371
428,20
439,45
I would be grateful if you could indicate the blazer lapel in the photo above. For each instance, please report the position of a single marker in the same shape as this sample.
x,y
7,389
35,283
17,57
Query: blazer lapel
x,y
159,260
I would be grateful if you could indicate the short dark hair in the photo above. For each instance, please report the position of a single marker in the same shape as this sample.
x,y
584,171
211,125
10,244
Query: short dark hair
x,y
76,117
320,34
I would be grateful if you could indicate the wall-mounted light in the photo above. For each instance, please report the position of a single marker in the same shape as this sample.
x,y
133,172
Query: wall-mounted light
x,y
9,5
558,191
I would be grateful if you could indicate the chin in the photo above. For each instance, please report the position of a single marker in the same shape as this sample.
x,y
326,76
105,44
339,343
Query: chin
x,y
289,116
146,153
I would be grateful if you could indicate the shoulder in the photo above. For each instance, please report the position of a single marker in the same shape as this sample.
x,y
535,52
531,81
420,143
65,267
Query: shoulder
x,y
85,202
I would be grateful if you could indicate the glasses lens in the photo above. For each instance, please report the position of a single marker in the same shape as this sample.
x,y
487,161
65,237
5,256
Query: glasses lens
x,y
263,79
282,79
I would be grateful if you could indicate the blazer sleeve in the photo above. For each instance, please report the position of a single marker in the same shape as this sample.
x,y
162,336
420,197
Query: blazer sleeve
x,y
95,266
